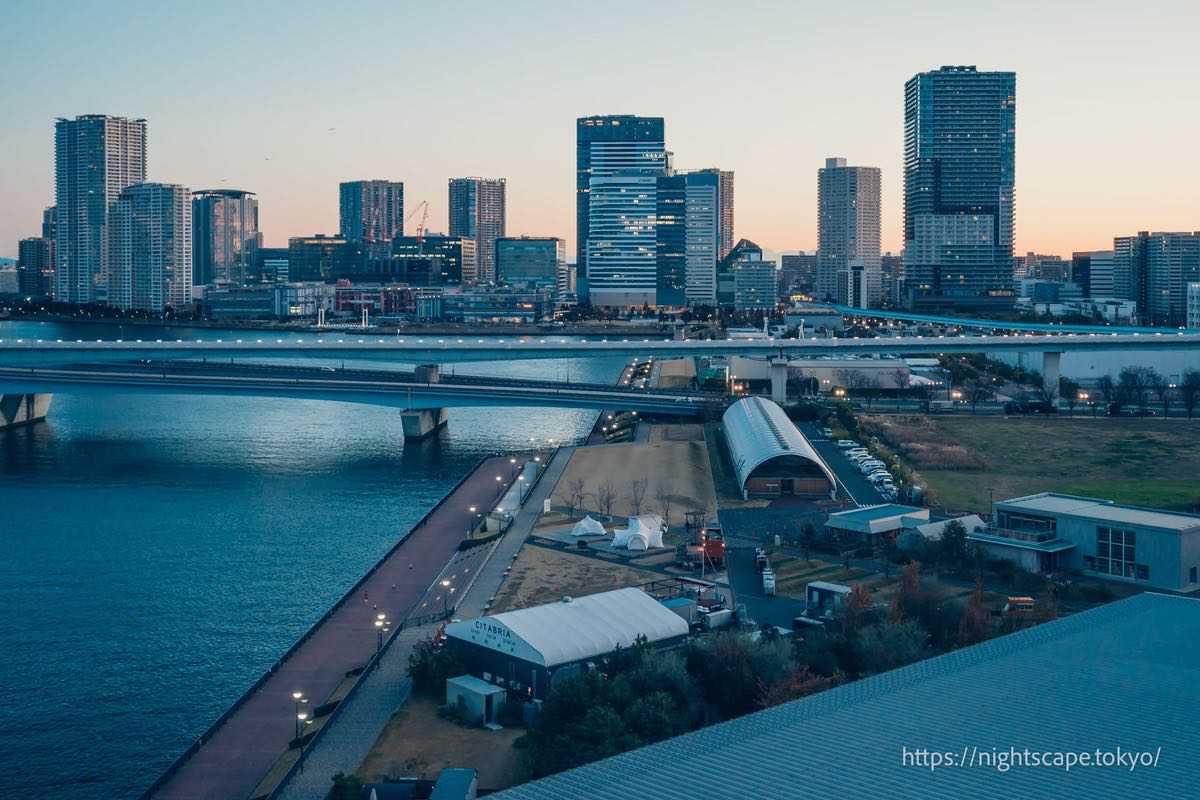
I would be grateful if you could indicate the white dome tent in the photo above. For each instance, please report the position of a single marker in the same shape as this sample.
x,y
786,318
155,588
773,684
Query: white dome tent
x,y
588,527
643,533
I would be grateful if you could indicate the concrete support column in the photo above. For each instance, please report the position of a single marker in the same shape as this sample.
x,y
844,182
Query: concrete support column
x,y
779,376
23,409
1050,372
420,423
428,373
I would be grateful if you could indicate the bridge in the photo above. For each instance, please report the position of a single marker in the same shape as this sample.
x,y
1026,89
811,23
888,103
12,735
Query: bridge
x,y
993,324
423,395
429,350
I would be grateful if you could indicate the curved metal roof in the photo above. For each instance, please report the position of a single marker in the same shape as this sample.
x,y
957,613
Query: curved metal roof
x,y
758,430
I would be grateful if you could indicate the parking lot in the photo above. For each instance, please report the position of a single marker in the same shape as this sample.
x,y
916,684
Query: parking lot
x,y
853,483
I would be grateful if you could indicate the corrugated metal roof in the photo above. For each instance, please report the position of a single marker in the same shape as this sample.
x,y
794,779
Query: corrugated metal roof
x,y
758,430
1103,510
1123,674
584,627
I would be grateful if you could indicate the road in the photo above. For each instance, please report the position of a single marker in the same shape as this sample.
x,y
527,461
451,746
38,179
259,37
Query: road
x,y
857,488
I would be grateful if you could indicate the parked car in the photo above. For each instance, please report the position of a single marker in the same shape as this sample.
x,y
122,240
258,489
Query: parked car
x,y
1030,407
846,444
827,433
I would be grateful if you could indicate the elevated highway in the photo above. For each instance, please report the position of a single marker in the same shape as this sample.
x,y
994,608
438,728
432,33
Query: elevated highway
x,y
445,350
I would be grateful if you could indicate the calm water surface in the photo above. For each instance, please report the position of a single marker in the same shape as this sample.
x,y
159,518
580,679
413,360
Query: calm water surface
x,y
158,553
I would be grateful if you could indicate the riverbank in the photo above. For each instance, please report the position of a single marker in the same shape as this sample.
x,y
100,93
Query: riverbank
x,y
585,328
232,759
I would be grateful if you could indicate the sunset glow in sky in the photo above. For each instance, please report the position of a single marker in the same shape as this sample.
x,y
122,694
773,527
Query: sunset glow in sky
x,y
288,99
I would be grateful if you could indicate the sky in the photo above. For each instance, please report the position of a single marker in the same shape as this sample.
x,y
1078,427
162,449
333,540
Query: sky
x,y
287,99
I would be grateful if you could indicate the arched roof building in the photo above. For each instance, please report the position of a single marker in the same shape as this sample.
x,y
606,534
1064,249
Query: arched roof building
x,y
769,453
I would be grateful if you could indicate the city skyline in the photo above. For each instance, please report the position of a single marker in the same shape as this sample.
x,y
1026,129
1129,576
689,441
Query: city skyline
x,y
292,151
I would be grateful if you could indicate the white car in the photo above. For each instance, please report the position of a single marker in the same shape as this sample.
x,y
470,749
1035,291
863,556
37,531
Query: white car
x,y
858,455
846,444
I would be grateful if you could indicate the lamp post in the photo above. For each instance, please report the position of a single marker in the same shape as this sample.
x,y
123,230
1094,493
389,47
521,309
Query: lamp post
x,y
302,722
499,485
298,699
381,627
471,522
513,465
445,598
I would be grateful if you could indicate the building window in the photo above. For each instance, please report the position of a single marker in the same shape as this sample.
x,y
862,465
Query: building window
x,y
1116,554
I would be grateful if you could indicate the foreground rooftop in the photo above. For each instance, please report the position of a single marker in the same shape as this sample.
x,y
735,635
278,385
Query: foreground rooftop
x,y
1124,674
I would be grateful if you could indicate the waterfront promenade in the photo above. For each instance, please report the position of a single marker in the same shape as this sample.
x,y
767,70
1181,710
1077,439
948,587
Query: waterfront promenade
x,y
232,761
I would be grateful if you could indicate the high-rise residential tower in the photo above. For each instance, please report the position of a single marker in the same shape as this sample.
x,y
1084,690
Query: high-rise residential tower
x,y
224,235
477,212
688,237
1154,269
95,157
848,232
35,267
371,210
150,248
618,160
959,155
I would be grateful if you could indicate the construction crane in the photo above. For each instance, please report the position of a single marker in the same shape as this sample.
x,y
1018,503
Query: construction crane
x,y
423,207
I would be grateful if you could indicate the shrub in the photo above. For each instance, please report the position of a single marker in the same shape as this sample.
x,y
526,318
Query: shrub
x,y
430,667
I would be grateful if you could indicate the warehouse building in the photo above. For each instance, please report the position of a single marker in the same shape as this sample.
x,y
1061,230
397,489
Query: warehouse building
x,y
531,649
1124,672
1050,532
770,456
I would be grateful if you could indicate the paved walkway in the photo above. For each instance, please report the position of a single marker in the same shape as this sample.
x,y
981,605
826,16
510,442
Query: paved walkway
x,y
350,735
230,764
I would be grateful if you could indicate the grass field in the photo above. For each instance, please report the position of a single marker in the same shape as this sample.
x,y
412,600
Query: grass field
x,y
1150,462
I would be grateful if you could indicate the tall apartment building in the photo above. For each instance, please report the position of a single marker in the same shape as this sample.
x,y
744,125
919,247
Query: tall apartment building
x,y
1193,305
959,162
95,158
724,209
1093,271
35,267
225,235
150,248
618,160
687,237
50,222
1153,269
848,229
530,261
477,212
371,211
798,273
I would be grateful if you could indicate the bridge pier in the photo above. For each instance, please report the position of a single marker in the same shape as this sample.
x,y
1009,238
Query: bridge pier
x,y
423,422
1050,372
779,376
23,409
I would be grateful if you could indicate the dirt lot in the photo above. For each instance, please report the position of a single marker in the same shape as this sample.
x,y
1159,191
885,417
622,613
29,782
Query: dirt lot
x,y
674,461
542,575
418,743
1149,462
793,574
676,373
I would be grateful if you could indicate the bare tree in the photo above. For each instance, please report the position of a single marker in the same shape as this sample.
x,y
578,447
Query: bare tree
x,y
606,495
637,494
663,498
1163,391
1189,390
1068,390
1136,382
1111,392
977,391
902,378
870,389
575,495
924,394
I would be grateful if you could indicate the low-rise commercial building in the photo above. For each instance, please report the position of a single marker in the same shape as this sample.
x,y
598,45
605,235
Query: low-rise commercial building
x,y
770,455
531,649
278,301
870,522
530,261
1049,532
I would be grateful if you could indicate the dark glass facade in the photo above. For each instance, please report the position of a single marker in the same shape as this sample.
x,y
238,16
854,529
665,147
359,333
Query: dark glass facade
x,y
595,130
959,156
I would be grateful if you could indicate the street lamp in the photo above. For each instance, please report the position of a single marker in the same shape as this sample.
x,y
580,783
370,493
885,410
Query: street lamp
x,y
445,598
499,485
302,721
380,628
298,699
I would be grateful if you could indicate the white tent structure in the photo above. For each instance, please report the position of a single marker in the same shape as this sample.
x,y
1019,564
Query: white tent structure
x,y
644,533
588,527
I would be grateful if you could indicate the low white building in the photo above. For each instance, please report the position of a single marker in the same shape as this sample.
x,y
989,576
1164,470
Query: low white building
x,y
531,649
